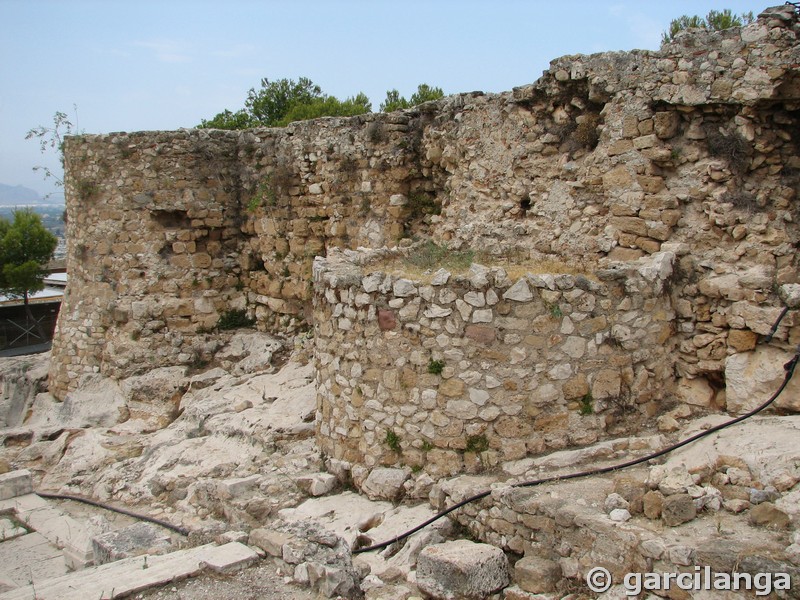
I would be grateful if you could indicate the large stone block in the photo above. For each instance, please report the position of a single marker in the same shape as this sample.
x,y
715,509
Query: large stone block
x,y
462,570
752,377
15,483
537,575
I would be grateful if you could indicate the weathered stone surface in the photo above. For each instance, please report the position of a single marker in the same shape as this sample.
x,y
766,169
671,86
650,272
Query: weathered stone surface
x,y
461,569
751,378
134,540
768,515
386,320
652,504
481,333
537,575
519,292
385,483
269,541
678,509
695,391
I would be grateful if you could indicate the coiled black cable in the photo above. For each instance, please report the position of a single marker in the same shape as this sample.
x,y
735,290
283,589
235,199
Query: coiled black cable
x,y
789,367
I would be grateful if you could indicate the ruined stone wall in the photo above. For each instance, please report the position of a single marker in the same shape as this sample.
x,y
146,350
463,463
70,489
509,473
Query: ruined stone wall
x,y
692,149
458,372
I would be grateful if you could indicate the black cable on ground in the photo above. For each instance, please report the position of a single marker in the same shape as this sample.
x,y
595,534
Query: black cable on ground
x,y
789,367
122,511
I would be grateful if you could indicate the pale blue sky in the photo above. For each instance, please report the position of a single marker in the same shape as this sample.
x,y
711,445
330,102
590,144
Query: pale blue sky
x,y
165,64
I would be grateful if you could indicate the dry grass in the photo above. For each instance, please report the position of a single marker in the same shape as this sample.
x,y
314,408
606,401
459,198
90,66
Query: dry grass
x,y
424,260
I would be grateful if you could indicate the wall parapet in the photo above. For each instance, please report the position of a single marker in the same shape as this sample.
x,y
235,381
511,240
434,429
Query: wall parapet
x,y
456,372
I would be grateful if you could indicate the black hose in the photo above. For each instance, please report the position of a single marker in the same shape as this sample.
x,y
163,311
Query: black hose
x,y
775,325
122,511
789,367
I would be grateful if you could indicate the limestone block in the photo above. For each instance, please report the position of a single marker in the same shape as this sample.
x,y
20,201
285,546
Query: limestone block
x,y
15,483
317,484
652,503
666,124
385,483
482,316
462,570
134,540
537,575
695,391
752,377
519,292
606,384
768,515
403,288
452,387
437,312
742,340
676,481
677,509
476,299
790,294
269,541
440,277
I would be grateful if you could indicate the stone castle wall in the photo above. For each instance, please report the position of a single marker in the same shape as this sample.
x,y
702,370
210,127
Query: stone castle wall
x,y
458,372
690,151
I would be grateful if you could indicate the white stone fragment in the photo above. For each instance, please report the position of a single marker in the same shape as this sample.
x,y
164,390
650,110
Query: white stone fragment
x,y
519,292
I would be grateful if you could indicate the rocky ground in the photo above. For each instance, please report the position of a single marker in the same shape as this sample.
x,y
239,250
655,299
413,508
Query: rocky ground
x,y
227,449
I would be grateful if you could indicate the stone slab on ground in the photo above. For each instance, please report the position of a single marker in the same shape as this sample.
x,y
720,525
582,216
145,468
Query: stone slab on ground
x,y
15,483
131,575
9,530
60,529
346,514
29,558
462,570
134,540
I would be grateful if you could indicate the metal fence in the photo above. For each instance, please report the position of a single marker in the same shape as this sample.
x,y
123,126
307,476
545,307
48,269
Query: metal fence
x,y
19,329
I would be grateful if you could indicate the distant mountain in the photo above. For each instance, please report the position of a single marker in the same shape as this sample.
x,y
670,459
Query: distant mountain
x,y
18,194
13,195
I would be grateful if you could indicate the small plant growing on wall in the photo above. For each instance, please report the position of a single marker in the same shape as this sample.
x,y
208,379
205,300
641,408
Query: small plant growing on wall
x,y
264,195
586,403
392,441
554,310
435,367
477,444
86,189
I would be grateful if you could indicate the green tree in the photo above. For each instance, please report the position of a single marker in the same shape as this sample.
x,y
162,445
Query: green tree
x,y
25,249
278,103
327,106
715,20
424,93
228,120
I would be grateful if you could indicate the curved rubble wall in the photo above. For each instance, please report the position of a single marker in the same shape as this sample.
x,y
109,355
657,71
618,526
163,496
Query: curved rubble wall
x,y
615,156
461,372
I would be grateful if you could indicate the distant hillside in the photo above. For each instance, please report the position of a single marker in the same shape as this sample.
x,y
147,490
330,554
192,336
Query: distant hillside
x,y
11,195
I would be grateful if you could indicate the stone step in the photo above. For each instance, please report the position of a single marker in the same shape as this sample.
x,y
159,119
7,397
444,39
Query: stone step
x,y
135,574
60,529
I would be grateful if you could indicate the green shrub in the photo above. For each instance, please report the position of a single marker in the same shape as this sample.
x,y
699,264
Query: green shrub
x,y
421,204
477,444
586,405
435,367
392,440
234,319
